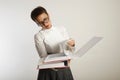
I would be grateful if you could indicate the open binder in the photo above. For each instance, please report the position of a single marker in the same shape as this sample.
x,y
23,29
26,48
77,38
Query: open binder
x,y
57,60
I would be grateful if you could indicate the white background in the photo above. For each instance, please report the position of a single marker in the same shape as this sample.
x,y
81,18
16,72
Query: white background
x,y
83,20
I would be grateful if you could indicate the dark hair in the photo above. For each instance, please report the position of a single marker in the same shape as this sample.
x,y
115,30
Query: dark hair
x,y
37,11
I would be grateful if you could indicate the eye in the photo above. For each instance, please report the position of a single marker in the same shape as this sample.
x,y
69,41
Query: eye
x,y
45,20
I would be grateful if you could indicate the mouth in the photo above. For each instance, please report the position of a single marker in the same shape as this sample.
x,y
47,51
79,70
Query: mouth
x,y
48,26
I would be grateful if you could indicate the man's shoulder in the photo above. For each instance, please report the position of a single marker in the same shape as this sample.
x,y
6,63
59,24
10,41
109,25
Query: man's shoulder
x,y
38,35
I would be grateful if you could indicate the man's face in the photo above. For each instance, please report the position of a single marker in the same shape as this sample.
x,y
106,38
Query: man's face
x,y
44,21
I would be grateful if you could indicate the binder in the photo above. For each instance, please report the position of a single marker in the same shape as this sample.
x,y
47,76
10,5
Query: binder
x,y
57,60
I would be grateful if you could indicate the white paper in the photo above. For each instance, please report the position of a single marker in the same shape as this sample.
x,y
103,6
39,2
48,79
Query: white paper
x,y
92,42
79,53
52,65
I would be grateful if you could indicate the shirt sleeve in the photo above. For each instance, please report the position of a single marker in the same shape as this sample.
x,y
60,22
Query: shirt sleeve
x,y
40,46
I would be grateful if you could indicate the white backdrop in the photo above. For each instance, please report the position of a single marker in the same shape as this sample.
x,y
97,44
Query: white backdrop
x,y
83,20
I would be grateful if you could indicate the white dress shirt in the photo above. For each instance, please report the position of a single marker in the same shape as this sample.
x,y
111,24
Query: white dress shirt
x,y
48,40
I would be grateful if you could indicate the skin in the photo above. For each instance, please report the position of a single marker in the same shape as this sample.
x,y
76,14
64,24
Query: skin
x,y
41,21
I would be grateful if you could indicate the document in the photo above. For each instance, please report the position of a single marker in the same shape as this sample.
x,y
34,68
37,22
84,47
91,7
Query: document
x,y
56,58
53,65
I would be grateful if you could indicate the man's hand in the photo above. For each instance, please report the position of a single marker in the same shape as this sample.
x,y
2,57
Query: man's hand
x,y
68,61
71,42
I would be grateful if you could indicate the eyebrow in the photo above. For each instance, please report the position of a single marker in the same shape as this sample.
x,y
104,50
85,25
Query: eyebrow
x,y
41,22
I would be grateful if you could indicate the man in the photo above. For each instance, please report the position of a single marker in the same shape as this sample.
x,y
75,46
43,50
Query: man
x,y
47,42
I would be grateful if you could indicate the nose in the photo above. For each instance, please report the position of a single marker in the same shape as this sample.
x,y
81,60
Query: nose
x,y
46,24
